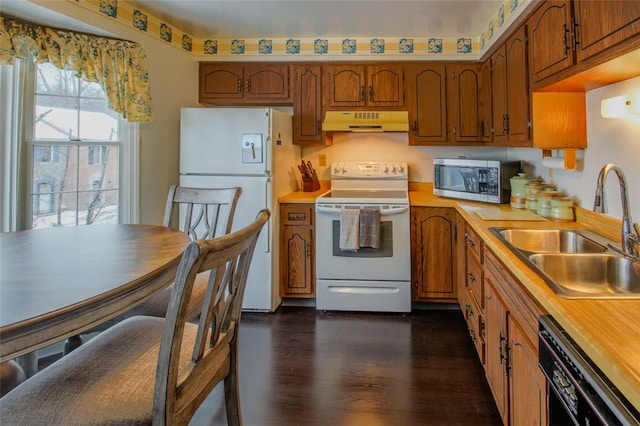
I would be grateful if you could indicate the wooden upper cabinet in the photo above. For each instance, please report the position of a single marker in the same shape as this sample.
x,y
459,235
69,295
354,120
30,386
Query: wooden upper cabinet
x,y
486,103
518,94
510,92
427,103
246,83
570,36
550,39
307,104
385,85
603,24
499,94
355,85
463,102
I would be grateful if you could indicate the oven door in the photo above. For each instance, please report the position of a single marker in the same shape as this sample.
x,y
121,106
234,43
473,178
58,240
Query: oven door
x,y
391,262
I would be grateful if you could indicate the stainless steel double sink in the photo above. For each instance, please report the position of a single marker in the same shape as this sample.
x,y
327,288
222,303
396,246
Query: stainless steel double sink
x,y
576,263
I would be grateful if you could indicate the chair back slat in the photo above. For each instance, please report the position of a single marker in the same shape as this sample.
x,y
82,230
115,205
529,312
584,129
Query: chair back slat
x,y
208,212
228,258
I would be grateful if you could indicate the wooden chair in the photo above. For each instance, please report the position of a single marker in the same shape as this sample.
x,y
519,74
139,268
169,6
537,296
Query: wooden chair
x,y
208,213
152,370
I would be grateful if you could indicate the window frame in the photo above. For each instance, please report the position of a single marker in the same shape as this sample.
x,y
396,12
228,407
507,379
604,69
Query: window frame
x,y
16,116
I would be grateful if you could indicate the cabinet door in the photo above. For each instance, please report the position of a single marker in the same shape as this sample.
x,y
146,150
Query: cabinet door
x,y
463,102
518,104
269,82
497,368
307,104
603,24
550,39
528,384
433,240
220,81
486,108
385,85
297,253
499,94
427,104
345,86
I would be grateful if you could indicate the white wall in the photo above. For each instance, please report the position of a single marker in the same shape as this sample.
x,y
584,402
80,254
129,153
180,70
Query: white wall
x,y
609,141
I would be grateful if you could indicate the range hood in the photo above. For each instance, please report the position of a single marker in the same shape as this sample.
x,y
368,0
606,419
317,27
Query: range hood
x,y
366,121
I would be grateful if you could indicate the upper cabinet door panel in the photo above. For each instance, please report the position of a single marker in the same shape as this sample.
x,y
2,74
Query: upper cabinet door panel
x,y
354,85
267,82
385,85
307,104
427,104
464,103
345,85
550,39
602,24
519,124
221,82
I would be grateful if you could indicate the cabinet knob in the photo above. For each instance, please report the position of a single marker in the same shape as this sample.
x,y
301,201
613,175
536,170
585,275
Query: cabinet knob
x,y
361,93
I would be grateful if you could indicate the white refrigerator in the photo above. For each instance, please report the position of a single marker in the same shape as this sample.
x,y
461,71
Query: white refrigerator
x,y
251,148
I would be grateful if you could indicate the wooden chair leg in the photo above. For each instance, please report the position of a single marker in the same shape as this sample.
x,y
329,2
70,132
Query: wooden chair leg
x,y
231,389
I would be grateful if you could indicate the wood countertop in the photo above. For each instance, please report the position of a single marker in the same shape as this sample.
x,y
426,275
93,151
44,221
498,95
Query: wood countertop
x,y
607,330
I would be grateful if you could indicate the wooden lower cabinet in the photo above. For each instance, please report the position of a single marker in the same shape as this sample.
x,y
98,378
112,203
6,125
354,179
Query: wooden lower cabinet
x,y
512,371
297,250
433,253
497,366
503,321
528,393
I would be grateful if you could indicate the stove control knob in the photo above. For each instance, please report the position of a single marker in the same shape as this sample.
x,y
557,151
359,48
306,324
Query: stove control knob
x,y
394,169
386,168
336,168
401,168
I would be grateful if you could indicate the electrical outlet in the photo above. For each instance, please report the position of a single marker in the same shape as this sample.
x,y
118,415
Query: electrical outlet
x,y
322,160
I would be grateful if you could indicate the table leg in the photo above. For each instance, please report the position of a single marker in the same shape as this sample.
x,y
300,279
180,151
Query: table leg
x,y
72,343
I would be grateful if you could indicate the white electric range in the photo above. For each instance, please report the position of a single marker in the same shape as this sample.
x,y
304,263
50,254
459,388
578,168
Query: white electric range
x,y
366,278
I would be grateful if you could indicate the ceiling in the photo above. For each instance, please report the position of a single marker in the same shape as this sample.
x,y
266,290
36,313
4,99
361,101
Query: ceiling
x,y
300,18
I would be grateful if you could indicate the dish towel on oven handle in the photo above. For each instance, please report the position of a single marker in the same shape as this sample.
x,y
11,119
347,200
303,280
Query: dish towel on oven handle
x,y
349,229
370,228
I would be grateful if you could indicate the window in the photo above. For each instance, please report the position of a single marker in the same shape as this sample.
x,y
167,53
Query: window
x,y
73,152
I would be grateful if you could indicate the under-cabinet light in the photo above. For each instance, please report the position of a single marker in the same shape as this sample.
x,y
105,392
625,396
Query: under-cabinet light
x,y
624,106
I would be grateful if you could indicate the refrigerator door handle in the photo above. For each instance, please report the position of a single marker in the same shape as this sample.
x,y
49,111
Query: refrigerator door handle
x,y
267,204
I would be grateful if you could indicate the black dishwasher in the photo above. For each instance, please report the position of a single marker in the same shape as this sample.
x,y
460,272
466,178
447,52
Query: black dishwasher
x,y
577,391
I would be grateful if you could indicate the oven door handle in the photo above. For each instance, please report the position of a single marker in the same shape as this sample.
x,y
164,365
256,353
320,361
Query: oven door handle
x,y
383,212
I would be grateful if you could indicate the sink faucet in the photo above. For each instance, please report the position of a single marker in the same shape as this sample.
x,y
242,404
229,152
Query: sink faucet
x,y
630,239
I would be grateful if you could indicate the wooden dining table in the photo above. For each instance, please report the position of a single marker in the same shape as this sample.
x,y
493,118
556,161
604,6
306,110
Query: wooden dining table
x,y
59,282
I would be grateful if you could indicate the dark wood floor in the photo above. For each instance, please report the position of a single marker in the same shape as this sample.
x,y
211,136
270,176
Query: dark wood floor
x,y
304,367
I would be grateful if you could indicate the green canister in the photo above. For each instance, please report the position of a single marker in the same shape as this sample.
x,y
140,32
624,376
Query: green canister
x,y
518,195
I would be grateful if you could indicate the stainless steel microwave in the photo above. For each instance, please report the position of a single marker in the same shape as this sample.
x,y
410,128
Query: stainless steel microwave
x,y
476,180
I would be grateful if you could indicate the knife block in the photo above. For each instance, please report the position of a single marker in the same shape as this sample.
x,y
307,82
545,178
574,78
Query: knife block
x,y
310,184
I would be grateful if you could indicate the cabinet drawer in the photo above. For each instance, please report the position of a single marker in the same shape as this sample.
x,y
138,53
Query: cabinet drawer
x,y
474,244
293,214
474,279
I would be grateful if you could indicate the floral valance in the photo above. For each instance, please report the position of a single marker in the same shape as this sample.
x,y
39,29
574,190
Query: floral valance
x,y
119,66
